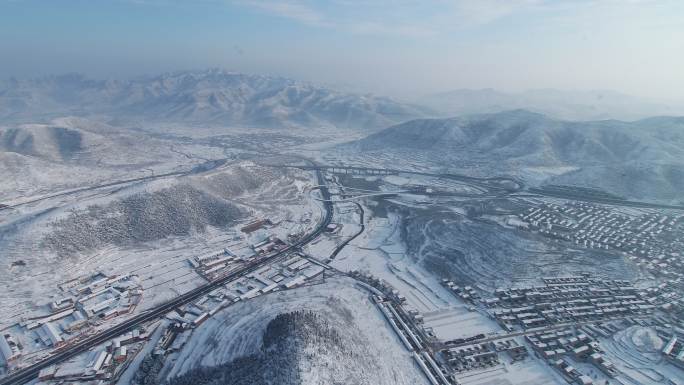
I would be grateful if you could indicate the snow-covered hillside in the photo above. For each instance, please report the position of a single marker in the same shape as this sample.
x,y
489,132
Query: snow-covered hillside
x,y
330,333
643,159
291,342
212,96
69,152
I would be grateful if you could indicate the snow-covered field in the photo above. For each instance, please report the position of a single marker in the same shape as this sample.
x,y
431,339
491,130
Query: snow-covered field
x,y
635,351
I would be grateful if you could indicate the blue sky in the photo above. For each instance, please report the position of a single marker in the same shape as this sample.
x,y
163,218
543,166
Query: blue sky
x,y
401,48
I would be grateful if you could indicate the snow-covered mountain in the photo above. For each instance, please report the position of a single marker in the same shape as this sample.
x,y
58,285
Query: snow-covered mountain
x,y
535,137
642,159
572,105
212,96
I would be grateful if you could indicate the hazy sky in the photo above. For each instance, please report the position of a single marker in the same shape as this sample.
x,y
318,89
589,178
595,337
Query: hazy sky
x,y
394,47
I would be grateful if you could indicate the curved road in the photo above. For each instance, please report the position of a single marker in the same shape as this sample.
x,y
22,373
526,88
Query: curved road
x,y
346,242
496,187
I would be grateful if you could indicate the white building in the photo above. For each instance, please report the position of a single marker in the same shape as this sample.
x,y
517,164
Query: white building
x,y
53,336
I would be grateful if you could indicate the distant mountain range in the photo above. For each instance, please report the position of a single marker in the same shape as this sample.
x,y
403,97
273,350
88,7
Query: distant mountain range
x,y
571,105
642,159
520,134
227,98
212,96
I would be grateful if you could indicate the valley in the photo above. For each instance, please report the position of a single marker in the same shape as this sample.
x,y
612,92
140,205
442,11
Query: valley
x,y
205,240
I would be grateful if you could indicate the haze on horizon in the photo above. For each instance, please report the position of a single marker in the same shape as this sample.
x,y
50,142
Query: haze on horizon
x,y
399,48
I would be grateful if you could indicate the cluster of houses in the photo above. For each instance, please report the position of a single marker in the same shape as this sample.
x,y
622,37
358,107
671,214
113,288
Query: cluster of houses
x,y
268,245
92,300
478,356
99,297
559,346
256,225
218,264
568,299
213,265
466,293
382,287
102,365
194,314
654,241
9,349
288,274
86,301
673,351
471,357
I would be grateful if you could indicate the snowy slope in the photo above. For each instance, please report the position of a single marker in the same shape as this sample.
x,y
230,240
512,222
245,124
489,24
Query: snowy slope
x,y
358,347
523,134
642,159
69,152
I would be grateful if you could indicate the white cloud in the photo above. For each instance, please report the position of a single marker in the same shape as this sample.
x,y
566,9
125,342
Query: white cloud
x,y
376,28
342,15
295,10
411,18
477,12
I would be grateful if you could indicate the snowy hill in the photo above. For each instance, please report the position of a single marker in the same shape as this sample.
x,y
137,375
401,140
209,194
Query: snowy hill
x,y
572,105
49,141
300,347
640,159
172,208
329,334
535,137
212,96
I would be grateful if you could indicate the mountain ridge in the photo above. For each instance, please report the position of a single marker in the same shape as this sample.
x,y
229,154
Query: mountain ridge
x,y
641,159
212,96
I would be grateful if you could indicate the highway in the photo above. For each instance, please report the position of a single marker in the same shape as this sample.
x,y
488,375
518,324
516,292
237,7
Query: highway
x,y
27,374
492,183
497,186
346,242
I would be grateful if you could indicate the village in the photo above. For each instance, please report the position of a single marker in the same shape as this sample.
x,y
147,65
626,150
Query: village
x,y
652,240
90,304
